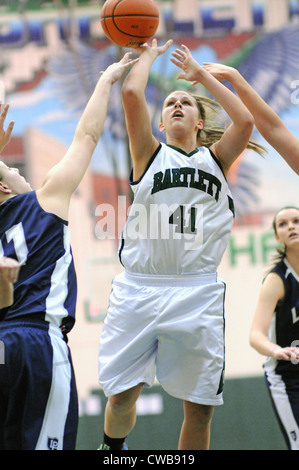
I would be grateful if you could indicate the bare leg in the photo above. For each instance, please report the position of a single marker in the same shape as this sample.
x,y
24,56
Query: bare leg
x,y
195,432
120,414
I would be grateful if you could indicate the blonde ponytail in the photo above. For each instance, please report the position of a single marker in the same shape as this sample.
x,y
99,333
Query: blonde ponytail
x,y
212,132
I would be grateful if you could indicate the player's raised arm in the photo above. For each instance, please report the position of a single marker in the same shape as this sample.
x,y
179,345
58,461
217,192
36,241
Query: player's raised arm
x,y
266,120
142,142
64,178
235,139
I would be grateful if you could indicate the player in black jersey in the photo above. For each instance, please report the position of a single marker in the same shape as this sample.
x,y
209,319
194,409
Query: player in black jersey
x,y
275,328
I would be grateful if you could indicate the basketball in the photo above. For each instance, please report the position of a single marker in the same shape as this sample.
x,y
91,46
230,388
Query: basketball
x,y
130,23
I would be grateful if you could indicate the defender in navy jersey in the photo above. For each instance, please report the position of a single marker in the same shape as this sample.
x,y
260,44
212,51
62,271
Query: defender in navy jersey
x,y
275,328
166,311
46,289
38,397
9,268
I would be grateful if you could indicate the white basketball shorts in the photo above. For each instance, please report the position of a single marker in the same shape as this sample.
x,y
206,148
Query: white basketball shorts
x,y
171,328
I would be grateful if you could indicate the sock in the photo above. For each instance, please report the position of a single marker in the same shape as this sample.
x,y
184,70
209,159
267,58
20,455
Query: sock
x,y
114,444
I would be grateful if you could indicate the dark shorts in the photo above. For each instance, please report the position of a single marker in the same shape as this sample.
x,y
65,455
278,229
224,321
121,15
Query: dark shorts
x,y
38,396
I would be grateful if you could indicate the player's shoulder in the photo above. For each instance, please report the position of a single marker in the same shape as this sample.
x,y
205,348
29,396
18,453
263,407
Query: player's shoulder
x,y
273,286
280,269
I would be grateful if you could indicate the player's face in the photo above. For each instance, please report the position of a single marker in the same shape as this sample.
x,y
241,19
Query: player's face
x,y
180,110
287,227
12,182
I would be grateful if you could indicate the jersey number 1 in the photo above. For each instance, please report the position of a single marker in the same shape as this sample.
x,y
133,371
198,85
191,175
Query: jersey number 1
x,y
17,235
178,218
188,220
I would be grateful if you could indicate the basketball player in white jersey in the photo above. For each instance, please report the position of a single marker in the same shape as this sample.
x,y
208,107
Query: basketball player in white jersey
x,y
166,311
275,328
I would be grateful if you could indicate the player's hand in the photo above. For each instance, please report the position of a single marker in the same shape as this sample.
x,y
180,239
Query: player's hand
x,y
9,269
286,354
183,59
116,70
153,49
219,71
5,135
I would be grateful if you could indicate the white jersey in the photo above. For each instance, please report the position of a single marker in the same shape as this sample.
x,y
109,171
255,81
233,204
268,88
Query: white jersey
x,y
181,217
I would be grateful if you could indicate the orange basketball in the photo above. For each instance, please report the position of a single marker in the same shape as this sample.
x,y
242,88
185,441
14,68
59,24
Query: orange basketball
x,y
130,23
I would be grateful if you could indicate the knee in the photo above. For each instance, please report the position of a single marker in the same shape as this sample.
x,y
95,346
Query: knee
x,y
205,414
122,402
200,415
118,403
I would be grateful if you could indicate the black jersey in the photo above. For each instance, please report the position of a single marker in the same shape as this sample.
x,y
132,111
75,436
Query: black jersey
x,y
284,329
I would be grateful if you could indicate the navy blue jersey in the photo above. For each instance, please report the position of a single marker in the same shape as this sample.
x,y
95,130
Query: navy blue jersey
x,y
284,330
47,286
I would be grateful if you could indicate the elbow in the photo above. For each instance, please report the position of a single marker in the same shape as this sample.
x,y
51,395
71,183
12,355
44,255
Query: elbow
x,y
90,134
252,339
129,94
93,137
244,120
248,123
245,126
126,89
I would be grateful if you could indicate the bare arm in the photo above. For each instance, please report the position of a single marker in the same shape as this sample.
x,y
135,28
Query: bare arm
x,y
266,120
142,142
5,135
9,271
64,178
236,137
272,291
